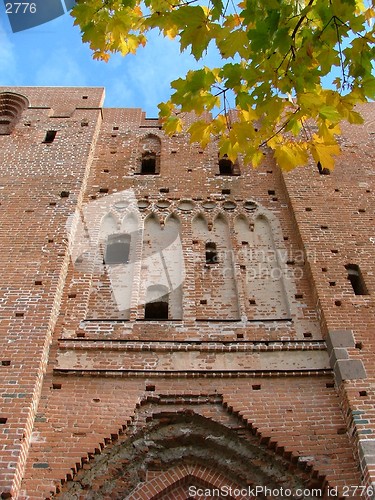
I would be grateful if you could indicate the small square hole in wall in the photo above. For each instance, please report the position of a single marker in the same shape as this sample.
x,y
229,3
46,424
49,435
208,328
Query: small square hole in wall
x,y
195,242
203,302
93,197
64,194
341,430
269,171
308,209
252,302
359,345
271,192
323,227
338,303
290,262
363,394
52,204
164,190
275,198
38,282
244,242
113,152
50,240
324,269
242,267
332,283
113,135
85,97
334,251
239,336
5,362
225,191
256,387
368,190
298,296
72,295
106,170
361,210
50,136
307,335
56,386
189,169
84,124
20,314
150,388
115,128
286,238
3,420
337,190
330,385
103,190
81,335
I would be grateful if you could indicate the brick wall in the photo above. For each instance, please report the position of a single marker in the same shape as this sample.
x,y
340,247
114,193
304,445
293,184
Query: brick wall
x,y
267,340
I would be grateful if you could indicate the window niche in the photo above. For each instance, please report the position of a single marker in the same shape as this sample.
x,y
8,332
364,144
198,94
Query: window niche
x,y
157,303
117,249
211,253
149,161
356,279
227,167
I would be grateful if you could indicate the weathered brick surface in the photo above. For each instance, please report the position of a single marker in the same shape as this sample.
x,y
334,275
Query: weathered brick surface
x,y
84,374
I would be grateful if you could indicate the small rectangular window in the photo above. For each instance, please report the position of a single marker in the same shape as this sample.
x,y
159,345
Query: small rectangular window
x,y
50,136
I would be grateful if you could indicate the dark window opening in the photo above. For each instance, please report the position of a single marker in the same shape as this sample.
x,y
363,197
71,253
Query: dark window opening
x,y
156,310
225,166
211,253
356,279
117,250
148,164
50,136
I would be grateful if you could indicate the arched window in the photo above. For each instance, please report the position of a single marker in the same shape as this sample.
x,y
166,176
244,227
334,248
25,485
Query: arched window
x,y
356,279
157,303
211,253
148,163
117,249
225,166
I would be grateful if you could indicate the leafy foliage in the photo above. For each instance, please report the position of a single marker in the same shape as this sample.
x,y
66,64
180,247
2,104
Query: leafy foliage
x,y
275,55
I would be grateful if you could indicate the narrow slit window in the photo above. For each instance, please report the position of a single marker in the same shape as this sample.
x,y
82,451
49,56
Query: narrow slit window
x,y
211,253
50,136
356,279
225,166
148,164
117,249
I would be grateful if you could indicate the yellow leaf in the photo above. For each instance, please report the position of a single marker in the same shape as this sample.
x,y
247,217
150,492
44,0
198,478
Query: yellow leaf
x,y
291,155
323,153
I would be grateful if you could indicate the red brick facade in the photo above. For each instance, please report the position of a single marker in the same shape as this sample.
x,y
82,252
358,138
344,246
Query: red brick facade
x,y
169,323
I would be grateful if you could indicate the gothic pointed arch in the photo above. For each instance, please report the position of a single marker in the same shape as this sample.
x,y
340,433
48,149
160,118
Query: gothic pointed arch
x,y
163,266
205,446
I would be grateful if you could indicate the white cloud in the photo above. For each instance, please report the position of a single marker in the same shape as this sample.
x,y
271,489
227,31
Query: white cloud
x,y
8,63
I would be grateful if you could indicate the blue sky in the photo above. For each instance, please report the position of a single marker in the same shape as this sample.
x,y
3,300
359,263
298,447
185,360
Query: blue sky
x,y
53,54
